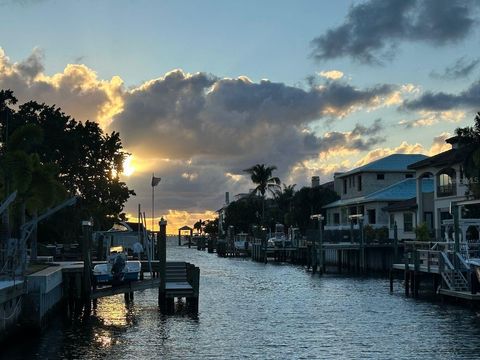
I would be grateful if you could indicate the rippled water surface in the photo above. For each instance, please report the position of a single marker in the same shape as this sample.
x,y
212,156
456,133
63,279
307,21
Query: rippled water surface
x,y
250,310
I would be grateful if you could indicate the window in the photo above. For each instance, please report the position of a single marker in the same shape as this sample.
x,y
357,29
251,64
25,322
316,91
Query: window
x,y
407,222
446,183
408,176
392,221
359,183
344,186
372,219
336,219
380,176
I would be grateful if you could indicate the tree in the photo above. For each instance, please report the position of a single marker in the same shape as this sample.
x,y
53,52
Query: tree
x,y
199,225
261,176
211,227
469,140
86,160
308,201
241,214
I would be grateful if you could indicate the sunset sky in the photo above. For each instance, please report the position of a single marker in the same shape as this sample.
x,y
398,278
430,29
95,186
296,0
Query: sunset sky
x,y
200,90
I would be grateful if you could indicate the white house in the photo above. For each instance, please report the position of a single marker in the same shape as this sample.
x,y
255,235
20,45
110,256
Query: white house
x,y
450,185
368,189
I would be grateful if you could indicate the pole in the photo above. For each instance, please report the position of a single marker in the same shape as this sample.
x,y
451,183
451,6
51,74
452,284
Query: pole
x,y
162,259
153,204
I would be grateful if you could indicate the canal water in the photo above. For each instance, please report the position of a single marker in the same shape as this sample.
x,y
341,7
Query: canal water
x,y
264,311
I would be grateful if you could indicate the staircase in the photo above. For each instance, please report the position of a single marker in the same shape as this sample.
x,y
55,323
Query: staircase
x,y
453,278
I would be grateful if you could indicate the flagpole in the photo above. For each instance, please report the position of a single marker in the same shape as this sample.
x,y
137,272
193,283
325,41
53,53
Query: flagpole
x,y
153,202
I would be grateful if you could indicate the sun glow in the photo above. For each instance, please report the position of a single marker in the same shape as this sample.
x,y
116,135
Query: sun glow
x,y
128,168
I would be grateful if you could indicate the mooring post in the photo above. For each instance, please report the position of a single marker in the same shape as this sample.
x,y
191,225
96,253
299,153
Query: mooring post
x,y
395,242
87,263
162,259
391,280
362,246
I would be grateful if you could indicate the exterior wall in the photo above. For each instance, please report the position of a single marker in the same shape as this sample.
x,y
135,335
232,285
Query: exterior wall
x,y
380,215
440,203
401,233
370,183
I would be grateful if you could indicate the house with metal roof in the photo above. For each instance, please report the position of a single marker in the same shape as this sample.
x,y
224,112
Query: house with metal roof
x,y
367,189
372,206
450,185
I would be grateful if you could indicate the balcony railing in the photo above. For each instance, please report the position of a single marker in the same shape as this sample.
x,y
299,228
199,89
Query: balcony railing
x,y
446,190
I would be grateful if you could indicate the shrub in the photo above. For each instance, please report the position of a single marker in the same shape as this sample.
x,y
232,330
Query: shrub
x,y
422,233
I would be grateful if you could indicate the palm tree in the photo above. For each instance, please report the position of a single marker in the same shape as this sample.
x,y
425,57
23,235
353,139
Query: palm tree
x,y
261,175
469,138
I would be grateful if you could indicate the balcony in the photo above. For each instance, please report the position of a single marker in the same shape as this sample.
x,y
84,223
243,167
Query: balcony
x,y
446,190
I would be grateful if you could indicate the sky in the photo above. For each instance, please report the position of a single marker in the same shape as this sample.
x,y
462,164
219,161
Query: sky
x,y
201,90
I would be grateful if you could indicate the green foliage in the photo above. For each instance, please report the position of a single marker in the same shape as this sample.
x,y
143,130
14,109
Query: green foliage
x,y
469,139
382,233
369,232
262,176
49,155
422,233
241,214
211,227
308,201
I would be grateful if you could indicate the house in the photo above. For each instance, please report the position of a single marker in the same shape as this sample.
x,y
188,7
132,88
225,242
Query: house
x,y
374,206
403,214
450,184
368,189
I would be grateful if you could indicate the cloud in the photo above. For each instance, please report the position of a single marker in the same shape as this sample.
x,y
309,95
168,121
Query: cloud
x,y
361,138
77,90
429,118
441,101
460,69
212,128
372,30
199,115
438,145
332,74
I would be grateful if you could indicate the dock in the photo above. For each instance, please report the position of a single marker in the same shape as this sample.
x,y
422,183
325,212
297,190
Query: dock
x,y
437,264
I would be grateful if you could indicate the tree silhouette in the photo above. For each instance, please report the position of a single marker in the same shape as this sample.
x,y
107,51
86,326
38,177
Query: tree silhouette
x,y
262,176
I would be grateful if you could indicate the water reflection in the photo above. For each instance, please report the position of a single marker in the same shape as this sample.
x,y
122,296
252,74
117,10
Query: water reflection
x,y
250,310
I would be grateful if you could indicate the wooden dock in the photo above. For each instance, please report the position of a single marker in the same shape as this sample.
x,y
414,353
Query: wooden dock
x,y
446,269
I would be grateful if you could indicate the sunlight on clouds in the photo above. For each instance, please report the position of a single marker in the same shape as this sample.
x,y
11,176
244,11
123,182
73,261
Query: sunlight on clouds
x,y
176,219
234,177
190,176
81,79
429,118
332,74
128,168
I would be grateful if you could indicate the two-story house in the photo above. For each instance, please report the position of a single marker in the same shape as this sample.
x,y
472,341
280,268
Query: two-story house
x,y
368,189
450,185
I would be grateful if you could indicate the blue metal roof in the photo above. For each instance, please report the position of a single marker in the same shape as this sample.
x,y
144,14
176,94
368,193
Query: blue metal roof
x,y
394,162
402,190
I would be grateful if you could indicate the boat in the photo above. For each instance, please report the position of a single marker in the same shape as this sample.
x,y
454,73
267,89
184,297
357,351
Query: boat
x,y
117,269
278,239
241,242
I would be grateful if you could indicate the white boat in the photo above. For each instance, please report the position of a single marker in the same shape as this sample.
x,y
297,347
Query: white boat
x,y
117,269
278,239
241,242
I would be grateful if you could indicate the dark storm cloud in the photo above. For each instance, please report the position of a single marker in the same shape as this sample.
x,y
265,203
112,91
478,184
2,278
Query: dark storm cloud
x,y
460,69
373,29
441,101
